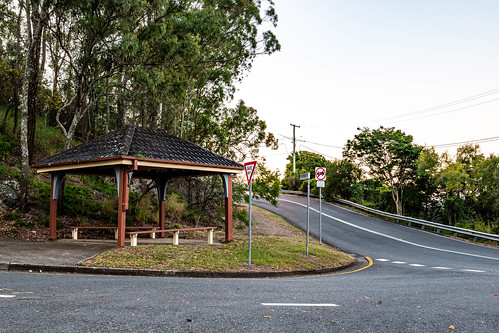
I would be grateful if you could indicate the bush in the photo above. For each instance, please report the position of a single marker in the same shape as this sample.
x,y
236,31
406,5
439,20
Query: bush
x,y
175,208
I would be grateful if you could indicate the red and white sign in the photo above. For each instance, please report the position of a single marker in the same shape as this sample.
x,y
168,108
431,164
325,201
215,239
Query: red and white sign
x,y
249,167
320,173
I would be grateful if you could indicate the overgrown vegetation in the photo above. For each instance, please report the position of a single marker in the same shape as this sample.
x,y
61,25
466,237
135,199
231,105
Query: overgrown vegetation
x,y
68,75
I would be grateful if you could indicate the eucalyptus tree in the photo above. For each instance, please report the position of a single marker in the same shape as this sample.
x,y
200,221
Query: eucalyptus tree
x,y
389,155
36,15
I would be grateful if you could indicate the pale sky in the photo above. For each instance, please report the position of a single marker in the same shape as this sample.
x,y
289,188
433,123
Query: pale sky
x,y
355,63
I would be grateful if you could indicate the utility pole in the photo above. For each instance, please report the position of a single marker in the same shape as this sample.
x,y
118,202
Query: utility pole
x,y
294,147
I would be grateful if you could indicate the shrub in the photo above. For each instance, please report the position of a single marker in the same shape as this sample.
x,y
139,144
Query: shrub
x,y
175,208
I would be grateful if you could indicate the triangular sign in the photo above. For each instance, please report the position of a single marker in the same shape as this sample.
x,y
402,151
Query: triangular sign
x,y
249,167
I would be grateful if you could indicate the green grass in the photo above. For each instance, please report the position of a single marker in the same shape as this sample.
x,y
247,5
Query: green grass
x,y
268,253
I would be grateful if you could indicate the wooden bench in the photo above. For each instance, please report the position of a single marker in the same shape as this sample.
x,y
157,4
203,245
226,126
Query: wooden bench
x,y
133,234
74,230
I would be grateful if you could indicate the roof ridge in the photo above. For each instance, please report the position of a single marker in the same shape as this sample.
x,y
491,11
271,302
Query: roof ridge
x,y
127,139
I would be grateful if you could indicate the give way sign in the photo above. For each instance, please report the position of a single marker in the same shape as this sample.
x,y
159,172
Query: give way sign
x,y
249,167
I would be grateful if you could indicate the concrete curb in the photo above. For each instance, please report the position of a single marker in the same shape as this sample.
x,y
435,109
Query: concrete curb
x,y
17,267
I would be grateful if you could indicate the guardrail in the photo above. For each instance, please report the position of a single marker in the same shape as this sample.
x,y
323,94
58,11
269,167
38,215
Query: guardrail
x,y
411,220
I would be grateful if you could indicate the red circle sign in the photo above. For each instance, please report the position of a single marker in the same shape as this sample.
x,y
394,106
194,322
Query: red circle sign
x,y
320,173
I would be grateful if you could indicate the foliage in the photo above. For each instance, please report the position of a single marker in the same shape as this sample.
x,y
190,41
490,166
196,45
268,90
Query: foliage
x,y
175,208
304,162
389,155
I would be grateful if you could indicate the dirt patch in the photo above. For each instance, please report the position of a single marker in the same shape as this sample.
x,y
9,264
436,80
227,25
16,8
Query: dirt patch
x,y
267,224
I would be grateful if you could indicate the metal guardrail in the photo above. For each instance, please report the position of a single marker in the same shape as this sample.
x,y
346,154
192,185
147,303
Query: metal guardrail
x,y
423,223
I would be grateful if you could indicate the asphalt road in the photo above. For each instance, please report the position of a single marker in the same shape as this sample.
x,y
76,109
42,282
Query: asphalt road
x,y
419,282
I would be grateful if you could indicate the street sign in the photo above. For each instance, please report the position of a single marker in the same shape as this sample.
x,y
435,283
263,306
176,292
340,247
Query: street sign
x,y
320,173
249,167
321,183
305,176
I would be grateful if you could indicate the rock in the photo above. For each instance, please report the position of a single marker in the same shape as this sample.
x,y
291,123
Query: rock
x,y
9,193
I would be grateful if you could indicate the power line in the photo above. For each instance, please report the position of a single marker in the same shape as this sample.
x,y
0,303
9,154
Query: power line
x,y
447,145
315,143
440,106
317,152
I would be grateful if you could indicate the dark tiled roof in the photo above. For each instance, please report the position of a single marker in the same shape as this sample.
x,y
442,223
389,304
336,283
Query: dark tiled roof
x,y
144,143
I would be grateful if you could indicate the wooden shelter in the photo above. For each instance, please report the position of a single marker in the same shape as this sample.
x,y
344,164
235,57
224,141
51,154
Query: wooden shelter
x,y
143,153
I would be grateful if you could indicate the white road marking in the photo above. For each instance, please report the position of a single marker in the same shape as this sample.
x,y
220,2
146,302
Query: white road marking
x,y
391,237
399,262
440,267
7,296
300,304
381,259
417,265
473,270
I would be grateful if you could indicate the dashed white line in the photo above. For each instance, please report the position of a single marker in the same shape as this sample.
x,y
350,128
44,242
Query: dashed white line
x,y
440,267
399,262
417,265
381,259
7,296
473,270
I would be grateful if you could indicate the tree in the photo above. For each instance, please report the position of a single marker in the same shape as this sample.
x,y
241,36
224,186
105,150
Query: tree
x,y
459,182
36,15
305,161
488,190
342,180
428,165
389,155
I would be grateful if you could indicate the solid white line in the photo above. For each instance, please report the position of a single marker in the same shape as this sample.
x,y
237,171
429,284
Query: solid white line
x,y
7,296
391,237
300,304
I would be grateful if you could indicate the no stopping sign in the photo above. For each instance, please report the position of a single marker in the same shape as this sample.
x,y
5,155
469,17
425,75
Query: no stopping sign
x,y
320,173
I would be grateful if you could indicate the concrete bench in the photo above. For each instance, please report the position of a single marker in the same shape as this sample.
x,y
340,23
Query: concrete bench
x,y
133,234
74,230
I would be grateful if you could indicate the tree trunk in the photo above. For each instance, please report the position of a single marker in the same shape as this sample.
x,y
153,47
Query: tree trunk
x,y
106,129
30,74
38,18
16,84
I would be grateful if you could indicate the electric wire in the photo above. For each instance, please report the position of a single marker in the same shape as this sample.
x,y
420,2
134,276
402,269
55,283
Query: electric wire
x,y
454,144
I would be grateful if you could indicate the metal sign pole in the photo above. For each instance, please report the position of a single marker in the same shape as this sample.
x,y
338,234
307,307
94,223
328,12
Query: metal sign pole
x,y
249,246
320,215
308,211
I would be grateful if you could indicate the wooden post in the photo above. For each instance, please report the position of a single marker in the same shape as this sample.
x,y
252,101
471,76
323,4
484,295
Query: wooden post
x,y
53,209
228,211
122,205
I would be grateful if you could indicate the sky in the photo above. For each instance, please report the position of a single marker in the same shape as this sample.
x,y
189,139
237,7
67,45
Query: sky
x,y
428,67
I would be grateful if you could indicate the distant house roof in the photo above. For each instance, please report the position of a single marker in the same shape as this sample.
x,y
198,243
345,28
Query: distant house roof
x,y
151,148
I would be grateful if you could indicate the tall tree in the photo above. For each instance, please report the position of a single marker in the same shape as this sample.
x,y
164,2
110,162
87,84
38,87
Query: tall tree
x,y
36,14
389,155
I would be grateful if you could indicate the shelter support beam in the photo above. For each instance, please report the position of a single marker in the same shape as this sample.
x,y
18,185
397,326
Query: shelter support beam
x,y
123,191
227,182
162,185
55,185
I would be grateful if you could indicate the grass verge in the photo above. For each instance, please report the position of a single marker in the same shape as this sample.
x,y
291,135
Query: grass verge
x,y
269,253
276,247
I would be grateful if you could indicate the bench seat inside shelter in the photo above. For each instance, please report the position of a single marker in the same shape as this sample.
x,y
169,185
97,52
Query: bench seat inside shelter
x,y
139,152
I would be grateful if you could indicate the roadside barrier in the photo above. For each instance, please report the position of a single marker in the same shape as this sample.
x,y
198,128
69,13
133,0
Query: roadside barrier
x,y
410,220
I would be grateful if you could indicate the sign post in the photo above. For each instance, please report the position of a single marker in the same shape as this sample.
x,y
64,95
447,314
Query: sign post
x,y
306,176
249,167
320,176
